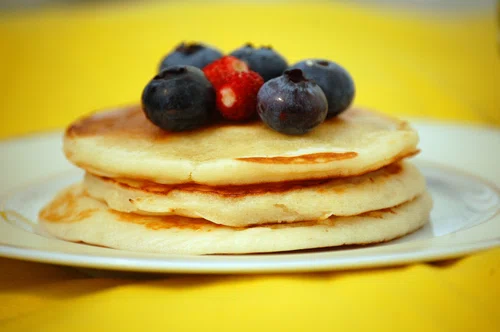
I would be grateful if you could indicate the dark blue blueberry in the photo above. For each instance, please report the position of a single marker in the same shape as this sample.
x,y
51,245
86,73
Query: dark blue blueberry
x,y
196,55
334,80
179,98
292,104
265,61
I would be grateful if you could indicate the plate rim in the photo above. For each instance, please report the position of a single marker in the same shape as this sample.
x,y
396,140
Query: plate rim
x,y
188,267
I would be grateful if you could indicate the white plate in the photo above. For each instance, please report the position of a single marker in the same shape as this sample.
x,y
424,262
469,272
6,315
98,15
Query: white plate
x,y
461,164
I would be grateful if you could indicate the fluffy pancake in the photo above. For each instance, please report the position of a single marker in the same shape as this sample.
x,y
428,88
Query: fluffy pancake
x,y
263,203
74,216
124,144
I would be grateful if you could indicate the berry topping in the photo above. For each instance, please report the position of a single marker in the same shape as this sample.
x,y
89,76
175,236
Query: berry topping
x,y
334,80
190,54
265,61
292,104
237,98
218,71
179,98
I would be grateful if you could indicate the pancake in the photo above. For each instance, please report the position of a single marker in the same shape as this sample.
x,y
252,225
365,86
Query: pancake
x,y
74,216
263,203
124,144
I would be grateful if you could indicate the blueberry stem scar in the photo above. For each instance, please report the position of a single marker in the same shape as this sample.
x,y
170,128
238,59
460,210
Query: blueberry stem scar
x,y
295,75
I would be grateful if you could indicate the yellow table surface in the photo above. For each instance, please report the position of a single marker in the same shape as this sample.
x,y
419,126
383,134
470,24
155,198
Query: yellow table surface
x,y
58,64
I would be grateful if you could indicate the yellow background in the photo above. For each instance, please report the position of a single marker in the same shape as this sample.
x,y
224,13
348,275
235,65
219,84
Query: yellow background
x,y
57,64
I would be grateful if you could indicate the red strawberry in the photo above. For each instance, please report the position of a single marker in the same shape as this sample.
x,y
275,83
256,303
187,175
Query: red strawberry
x,y
237,98
218,71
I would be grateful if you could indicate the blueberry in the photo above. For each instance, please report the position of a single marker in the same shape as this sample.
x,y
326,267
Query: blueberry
x,y
265,61
334,80
292,104
196,55
179,98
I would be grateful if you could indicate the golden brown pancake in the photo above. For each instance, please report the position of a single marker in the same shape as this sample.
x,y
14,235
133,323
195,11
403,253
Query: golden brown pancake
x,y
75,216
281,202
124,144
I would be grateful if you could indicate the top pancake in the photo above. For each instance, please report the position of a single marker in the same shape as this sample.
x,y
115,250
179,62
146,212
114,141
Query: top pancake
x,y
124,144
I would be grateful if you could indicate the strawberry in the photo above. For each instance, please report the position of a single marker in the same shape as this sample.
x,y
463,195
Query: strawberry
x,y
218,71
237,98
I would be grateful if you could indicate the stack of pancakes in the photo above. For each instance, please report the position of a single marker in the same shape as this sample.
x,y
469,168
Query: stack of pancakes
x,y
238,188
